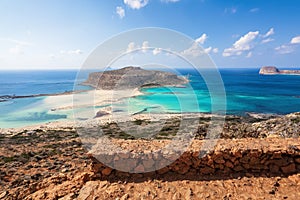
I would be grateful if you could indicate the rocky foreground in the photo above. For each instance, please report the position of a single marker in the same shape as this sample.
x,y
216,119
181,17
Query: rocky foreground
x,y
256,158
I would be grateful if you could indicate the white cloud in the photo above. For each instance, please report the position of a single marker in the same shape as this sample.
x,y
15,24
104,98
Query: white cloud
x,y
71,52
208,50
253,10
145,46
269,33
267,40
77,52
136,4
120,11
195,50
295,40
215,50
201,39
157,51
245,43
290,47
285,49
130,47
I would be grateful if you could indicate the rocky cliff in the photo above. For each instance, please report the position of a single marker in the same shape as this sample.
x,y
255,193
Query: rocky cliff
x,y
132,77
271,70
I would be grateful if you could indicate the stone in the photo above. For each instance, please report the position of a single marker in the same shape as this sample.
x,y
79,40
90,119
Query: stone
x,y
297,160
229,164
274,168
237,153
124,155
139,169
291,168
196,162
277,155
219,160
219,166
125,165
87,190
163,170
149,163
207,170
101,114
97,167
184,169
107,171
125,197
3,194
238,168
254,161
70,196
244,159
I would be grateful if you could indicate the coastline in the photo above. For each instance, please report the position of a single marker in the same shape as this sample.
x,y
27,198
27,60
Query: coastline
x,y
253,150
10,97
254,125
64,103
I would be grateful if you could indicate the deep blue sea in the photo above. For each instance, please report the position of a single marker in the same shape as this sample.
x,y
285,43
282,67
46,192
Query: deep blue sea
x,y
246,91
36,82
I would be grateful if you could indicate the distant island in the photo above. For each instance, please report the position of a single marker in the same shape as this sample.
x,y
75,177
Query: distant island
x,y
133,77
271,70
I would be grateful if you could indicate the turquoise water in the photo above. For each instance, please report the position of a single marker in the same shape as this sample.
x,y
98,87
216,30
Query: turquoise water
x,y
246,91
29,111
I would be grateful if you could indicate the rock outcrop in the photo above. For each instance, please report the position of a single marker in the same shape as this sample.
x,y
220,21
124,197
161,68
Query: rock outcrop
x,y
271,70
132,77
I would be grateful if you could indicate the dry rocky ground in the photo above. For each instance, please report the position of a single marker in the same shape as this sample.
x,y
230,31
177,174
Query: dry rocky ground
x,y
52,164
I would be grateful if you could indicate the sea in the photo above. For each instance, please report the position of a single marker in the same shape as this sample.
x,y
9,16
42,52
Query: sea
x,y
246,91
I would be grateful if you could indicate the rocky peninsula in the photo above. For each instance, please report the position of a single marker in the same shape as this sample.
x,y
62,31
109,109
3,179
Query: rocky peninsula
x,y
133,77
271,70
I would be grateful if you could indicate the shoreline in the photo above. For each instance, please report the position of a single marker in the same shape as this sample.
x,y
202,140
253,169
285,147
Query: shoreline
x,y
66,123
234,126
4,98
63,102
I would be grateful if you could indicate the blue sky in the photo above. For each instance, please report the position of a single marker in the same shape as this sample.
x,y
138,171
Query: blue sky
x,y
62,33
